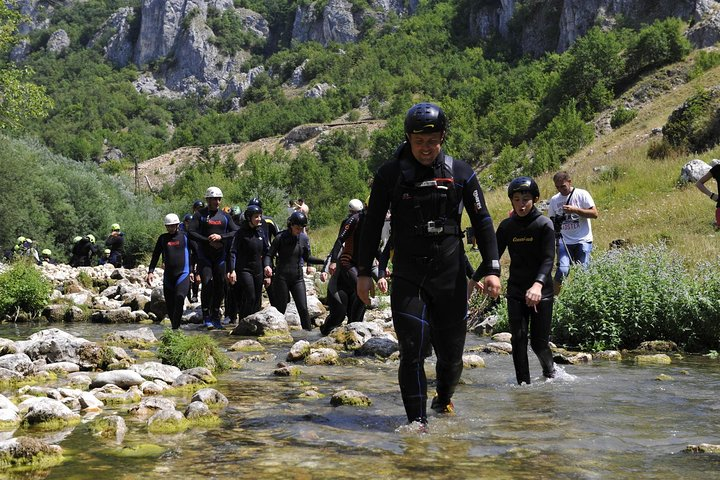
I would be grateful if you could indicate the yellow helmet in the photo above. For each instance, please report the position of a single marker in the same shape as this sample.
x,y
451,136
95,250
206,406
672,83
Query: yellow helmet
x,y
115,226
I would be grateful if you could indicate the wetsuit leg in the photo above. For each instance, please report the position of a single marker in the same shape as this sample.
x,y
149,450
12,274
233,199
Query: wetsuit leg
x,y
356,307
175,291
297,289
518,316
337,304
540,336
448,322
449,343
280,292
206,294
413,331
218,288
251,288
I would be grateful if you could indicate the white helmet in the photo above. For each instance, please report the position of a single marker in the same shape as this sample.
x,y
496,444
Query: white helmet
x,y
171,219
355,205
213,192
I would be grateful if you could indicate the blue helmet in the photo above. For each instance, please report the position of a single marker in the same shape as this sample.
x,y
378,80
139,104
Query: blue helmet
x,y
252,210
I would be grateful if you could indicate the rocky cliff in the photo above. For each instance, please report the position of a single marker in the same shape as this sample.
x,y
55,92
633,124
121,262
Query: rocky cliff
x,y
176,44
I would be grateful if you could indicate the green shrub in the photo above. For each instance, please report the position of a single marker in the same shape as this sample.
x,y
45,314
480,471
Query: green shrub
x,y
185,352
696,124
23,289
704,61
621,116
641,293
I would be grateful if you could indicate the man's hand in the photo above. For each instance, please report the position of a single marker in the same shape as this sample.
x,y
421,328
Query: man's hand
x,y
365,289
232,278
332,267
149,278
383,285
268,272
491,285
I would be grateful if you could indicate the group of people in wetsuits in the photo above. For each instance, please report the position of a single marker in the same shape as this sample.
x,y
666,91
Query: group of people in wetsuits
x,y
233,260
84,252
426,190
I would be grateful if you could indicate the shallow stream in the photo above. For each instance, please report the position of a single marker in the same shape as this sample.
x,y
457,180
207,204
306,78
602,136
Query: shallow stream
x,y
602,420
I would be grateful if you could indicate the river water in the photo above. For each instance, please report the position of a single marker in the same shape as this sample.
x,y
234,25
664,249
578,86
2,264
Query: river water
x,y
602,420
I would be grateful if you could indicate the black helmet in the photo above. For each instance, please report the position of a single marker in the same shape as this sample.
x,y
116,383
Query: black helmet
x,y
255,201
198,204
524,184
425,118
252,210
187,217
297,218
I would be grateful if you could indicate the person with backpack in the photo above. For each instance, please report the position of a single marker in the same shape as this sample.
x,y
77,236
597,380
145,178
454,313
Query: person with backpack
x,y
426,190
529,238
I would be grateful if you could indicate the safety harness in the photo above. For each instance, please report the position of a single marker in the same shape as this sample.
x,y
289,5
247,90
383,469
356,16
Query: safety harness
x,y
433,201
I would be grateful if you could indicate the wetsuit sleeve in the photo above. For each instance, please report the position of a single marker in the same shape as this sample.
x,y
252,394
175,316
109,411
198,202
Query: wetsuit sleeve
x,y
547,242
231,227
501,237
347,229
272,251
233,253
474,202
469,270
156,254
380,196
194,229
384,259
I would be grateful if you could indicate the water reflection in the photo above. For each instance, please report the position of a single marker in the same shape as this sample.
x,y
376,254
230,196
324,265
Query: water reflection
x,y
604,420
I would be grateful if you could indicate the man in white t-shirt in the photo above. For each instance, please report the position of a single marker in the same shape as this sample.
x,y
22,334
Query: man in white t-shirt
x,y
571,210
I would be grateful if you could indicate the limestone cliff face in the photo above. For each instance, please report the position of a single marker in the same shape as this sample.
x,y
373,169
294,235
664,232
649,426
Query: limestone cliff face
x,y
338,21
174,38
554,25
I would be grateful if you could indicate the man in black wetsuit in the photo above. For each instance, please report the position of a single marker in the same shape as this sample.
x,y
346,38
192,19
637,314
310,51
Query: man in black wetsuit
x,y
175,250
212,230
291,252
342,288
529,237
426,190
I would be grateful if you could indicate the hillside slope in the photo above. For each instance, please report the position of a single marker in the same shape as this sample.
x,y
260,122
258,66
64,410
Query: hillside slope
x,y
639,199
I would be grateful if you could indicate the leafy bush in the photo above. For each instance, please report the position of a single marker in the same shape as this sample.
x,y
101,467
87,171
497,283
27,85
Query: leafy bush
x,y
704,61
23,289
641,293
621,116
661,43
185,352
696,124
